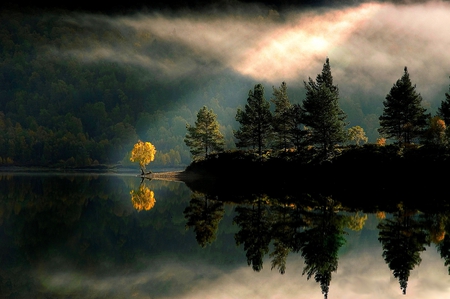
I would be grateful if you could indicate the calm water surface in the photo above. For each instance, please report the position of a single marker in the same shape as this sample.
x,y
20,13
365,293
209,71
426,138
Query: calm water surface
x,y
111,236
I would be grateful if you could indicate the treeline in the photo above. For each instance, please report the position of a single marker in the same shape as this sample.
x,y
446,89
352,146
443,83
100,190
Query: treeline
x,y
316,129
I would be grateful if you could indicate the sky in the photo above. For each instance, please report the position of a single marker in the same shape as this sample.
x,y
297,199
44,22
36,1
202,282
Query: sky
x,y
368,44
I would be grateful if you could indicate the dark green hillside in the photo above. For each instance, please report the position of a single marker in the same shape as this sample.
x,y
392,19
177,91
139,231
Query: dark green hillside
x,y
56,110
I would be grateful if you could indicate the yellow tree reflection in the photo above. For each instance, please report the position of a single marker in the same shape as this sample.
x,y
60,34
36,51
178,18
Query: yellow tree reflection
x,y
143,199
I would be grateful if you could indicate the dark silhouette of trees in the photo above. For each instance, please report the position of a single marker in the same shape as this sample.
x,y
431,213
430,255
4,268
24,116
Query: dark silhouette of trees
x,y
254,232
403,118
320,243
322,115
255,120
402,239
204,215
286,230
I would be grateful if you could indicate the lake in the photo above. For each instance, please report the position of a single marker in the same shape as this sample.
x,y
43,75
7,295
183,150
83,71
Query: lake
x,y
70,235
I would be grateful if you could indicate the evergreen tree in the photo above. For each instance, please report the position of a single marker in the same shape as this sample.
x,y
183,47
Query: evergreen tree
x,y
444,109
205,137
403,116
322,115
255,120
283,123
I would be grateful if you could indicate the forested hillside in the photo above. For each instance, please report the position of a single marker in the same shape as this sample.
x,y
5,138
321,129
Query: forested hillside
x,y
62,108
57,110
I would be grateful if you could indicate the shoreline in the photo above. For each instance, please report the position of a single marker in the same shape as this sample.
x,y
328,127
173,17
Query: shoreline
x,y
180,176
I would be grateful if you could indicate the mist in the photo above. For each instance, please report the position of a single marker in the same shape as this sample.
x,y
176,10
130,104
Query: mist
x,y
368,45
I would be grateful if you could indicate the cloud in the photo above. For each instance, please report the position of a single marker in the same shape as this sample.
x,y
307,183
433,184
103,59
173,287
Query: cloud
x,y
368,44
394,37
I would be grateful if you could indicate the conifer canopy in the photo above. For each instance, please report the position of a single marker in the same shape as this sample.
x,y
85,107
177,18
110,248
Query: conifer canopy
x,y
205,137
403,118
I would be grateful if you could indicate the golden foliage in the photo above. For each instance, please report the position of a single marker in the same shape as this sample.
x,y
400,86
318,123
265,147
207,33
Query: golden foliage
x,y
143,152
436,130
356,222
381,141
381,215
440,123
357,135
144,199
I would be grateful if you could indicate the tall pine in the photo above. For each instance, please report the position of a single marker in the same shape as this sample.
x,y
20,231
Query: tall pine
x,y
321,112
403,118
205,137
283,123
255,120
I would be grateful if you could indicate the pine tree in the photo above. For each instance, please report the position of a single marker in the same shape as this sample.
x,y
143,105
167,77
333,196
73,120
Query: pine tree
x,y
283,123
321,112
205,137
255,120
403,117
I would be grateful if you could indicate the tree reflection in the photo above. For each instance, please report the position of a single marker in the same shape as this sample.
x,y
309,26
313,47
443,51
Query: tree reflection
x,y
315,233
320,243
402,239
440,230
143,199
204,215
287,222
255,232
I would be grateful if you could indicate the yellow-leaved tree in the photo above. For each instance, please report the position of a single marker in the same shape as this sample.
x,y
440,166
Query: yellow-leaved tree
x,y
144,153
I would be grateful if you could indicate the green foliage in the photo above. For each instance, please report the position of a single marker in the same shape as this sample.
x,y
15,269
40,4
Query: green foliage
x,y
403,118
285,120
205,137
255,120
322,115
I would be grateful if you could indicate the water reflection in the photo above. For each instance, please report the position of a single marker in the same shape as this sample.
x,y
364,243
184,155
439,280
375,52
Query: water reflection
x,y
143,199
73,236
315,227
403,239
203,215
317,233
